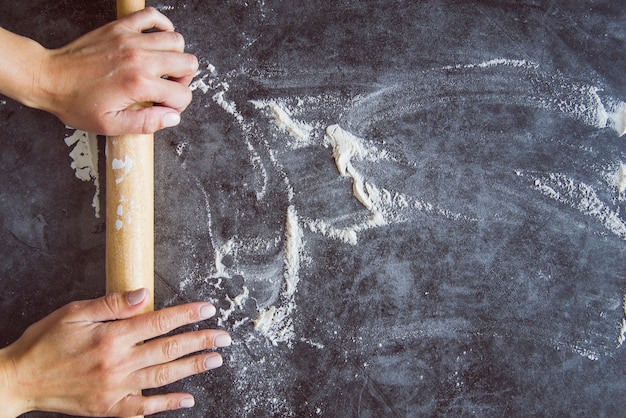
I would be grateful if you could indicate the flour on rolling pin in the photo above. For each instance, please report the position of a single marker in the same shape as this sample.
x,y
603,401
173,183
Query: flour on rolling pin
x,y
121,167
85,161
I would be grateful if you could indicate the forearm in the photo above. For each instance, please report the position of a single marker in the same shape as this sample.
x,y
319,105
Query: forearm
x,y
21,60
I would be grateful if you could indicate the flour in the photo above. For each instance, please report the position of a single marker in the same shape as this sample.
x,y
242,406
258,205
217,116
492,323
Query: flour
x,y
298,130
622,331
227,105
385,206
619,180
235,303
85,161
493,63
617,118
275,323
554,92
349,235
346,147
293,247
122,167
582,197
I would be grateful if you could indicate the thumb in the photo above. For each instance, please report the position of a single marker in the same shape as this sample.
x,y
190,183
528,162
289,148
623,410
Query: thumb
x,y
113,306
144,121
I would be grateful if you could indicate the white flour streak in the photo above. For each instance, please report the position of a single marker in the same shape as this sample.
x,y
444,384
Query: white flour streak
x,y
227,105
275,323
85,161
555,93
616,115
493,63
259,170
622,331
299,130
235,303
293,247
618,180
200,84
384,205
346,147
583,198
164,7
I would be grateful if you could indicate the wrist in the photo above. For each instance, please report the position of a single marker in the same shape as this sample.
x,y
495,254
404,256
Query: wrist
x,y
23,65
12,404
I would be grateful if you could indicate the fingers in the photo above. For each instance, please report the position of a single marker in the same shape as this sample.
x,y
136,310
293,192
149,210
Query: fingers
x,y
146,19
164,374
153,324
136,405
162,41
168,349
108,308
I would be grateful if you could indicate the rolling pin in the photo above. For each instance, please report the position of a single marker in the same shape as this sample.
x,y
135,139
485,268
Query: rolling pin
x,y
130,203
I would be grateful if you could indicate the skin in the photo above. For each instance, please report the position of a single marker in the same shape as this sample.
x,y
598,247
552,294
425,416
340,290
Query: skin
x,y
86,358
92,82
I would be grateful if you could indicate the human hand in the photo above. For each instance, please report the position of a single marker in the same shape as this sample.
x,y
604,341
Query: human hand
x,y
85,358
92,82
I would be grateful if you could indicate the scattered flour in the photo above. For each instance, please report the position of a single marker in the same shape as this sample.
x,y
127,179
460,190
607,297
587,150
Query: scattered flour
x,y
85,161
293,247
582,197
555,92
122,167
384,206
493,63
622,331
619,180
299,130
227,105
275,323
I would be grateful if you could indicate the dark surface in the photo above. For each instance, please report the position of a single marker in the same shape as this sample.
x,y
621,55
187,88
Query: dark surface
x,y
496,300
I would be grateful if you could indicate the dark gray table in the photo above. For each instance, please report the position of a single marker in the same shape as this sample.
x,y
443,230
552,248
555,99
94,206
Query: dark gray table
x,y
483,270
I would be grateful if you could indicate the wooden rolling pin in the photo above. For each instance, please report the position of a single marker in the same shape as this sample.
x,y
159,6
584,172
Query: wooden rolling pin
x,y
130,203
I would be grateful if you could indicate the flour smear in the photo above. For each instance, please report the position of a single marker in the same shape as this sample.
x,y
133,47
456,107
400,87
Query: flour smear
x,y
84,156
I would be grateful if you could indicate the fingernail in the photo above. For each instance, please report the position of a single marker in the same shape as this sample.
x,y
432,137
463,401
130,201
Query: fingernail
x,y
207,311
222,340
170,119
136,296
213,362
186,403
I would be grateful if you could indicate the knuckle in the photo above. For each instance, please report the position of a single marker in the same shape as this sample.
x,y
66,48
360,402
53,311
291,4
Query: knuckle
x,y
178,40
133,55
71,308
171,349
163,376
148,125
112,303
187,97
161,322
193,63
208,340
197,365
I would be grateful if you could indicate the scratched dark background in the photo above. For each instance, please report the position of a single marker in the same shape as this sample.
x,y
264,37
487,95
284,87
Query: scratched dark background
x,y
499,301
